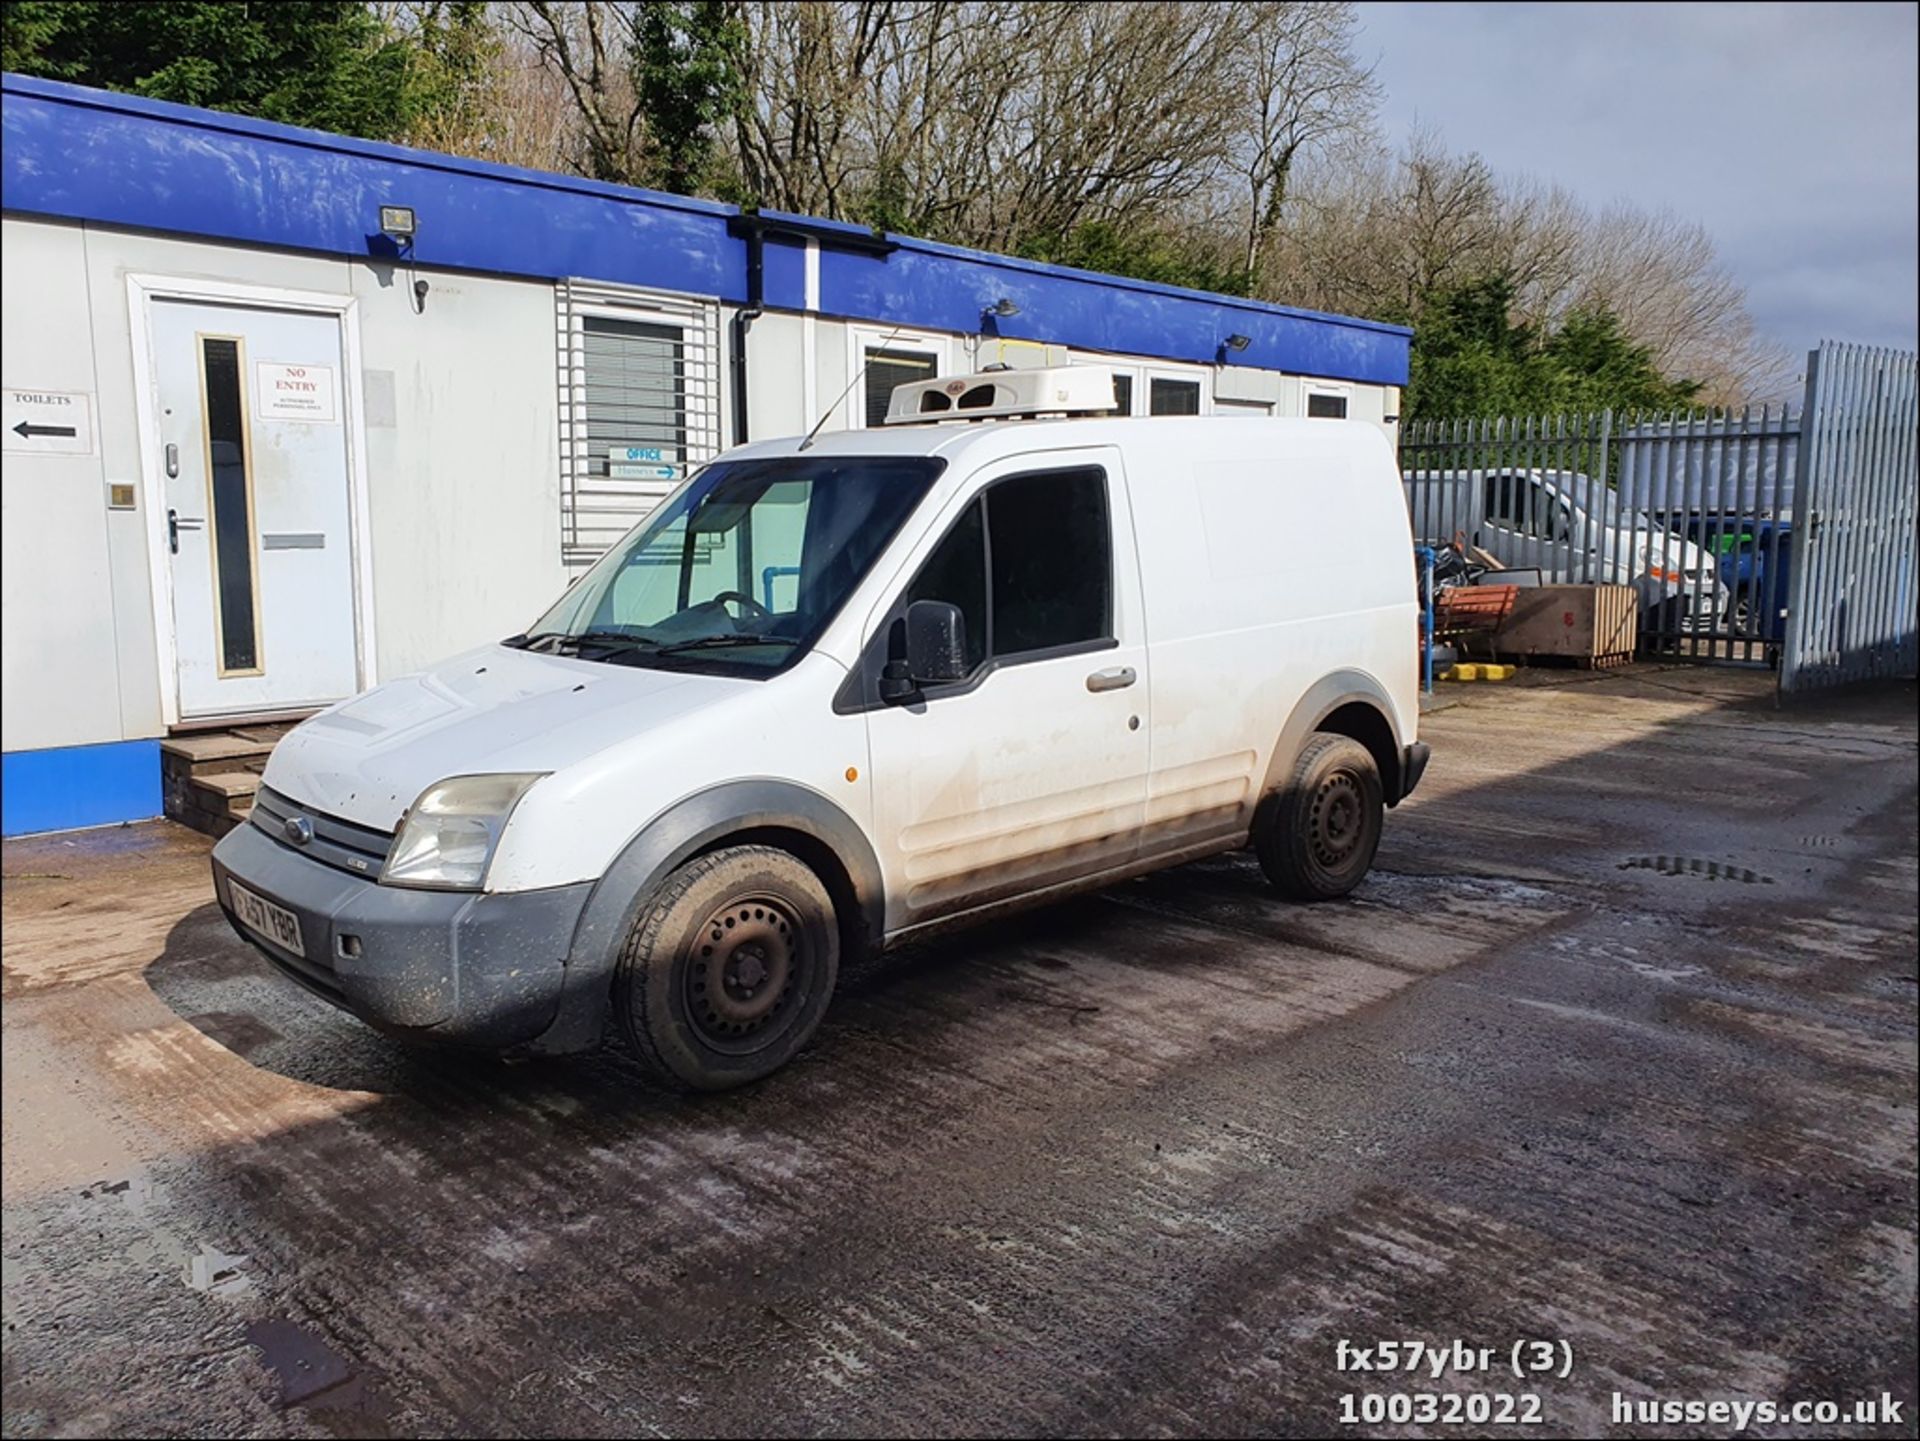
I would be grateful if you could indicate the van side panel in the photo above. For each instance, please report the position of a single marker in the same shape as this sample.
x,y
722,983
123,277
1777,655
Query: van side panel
x,y
1272,557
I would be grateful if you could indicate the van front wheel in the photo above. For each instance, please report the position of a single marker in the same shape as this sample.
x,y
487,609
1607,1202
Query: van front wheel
x,y
1317,837
729,968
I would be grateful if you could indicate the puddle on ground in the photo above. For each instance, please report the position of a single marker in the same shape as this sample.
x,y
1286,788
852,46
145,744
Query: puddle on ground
x,y
313,1375
1693,866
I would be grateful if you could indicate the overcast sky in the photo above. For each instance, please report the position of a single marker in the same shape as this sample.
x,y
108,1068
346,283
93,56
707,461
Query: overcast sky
x,y
1788,130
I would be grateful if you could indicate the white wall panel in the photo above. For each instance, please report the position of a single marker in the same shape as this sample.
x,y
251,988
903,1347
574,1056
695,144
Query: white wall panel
x,y
59,685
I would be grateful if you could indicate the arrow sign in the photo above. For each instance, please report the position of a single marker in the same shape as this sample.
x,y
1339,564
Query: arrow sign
x,y
45,422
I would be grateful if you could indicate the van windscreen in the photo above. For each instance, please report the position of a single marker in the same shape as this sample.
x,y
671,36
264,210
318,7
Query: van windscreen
x,y
742,568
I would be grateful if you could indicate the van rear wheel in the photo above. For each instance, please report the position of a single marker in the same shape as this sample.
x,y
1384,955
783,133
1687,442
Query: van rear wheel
x,y
729,969
1320,832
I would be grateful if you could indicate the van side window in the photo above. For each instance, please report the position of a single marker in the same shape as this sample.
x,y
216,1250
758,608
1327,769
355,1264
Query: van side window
x,y
1506,501
1517,503
1052,560
1029,564
957,573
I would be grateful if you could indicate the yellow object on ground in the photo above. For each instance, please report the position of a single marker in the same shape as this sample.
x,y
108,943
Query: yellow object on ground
x,y
1480,672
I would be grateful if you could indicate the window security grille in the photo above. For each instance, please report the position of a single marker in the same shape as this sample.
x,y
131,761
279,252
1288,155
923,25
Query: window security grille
x,y
639,379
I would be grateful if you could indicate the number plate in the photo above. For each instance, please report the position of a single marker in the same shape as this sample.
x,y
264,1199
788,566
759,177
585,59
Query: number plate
x,y
276,923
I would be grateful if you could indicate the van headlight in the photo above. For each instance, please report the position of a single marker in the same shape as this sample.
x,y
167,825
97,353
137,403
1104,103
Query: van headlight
x,y
1660,566
449,834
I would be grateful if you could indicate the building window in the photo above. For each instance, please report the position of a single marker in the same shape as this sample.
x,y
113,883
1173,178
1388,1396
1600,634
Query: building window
x,y
889,367
1122,393
1173,397
640,408
1322,406
636,395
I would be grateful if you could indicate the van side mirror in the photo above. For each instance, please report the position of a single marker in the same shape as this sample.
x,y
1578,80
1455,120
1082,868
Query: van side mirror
x,y
935,646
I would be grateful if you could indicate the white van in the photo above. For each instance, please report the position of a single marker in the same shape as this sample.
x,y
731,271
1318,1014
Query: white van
x,y
1572,530
834,694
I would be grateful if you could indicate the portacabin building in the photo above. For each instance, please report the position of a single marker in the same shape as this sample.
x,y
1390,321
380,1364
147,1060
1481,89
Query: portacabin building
x,y
287,413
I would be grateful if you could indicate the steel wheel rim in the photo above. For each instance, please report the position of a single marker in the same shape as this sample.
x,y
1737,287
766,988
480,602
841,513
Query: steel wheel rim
x,y
743,970
1338,821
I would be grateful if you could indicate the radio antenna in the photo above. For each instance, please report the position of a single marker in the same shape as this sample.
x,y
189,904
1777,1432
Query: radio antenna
x,y
860,376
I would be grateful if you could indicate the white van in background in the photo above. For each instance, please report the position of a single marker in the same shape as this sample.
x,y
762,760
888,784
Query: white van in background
x,y
1572,530
836,693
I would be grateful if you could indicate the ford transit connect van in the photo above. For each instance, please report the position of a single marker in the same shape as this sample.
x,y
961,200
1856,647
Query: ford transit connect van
x,y
836,693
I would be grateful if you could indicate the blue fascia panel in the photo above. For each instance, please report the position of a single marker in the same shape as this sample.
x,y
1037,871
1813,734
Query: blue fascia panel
x,y
73,786
784,275
114,159
939,288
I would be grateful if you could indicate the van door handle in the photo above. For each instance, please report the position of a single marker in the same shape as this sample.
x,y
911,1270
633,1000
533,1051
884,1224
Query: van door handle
x,y
1117,677
176,523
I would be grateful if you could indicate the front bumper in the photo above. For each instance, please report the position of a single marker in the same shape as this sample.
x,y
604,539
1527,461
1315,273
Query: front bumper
x,y
475,969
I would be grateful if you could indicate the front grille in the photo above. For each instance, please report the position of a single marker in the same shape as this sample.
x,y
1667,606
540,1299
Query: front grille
x,y
358,850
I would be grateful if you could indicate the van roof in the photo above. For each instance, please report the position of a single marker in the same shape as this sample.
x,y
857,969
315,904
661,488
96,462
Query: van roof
x,y
983,440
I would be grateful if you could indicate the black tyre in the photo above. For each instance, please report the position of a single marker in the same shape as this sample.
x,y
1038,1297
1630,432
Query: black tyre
x,y
1317,836
729,969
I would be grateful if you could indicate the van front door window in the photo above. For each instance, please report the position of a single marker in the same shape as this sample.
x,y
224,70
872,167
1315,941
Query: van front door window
x,y
1029,564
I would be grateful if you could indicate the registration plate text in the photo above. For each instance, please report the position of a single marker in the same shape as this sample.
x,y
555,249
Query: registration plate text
x,y
276,923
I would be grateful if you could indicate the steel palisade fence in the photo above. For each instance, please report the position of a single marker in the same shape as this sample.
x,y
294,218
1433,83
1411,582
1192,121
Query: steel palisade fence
x,y
1759,535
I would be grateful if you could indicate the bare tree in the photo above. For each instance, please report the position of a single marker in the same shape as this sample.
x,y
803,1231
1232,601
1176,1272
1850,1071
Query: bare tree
x,y
1237,137
1662,276
1305,87
523,115
588,46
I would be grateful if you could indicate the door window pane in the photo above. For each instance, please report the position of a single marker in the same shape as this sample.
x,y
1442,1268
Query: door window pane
x,y
957,573
888,368
1173,397
1326,407
1051,560
231,500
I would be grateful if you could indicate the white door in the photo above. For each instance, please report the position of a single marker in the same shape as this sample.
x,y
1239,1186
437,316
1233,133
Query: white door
x,y
252,426
1032,771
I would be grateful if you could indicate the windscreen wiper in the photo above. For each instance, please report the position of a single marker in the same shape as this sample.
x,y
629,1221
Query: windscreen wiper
x,y
721,642
560,642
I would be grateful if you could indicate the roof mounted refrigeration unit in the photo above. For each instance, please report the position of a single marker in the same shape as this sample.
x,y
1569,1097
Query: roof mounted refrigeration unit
x,y
1038,394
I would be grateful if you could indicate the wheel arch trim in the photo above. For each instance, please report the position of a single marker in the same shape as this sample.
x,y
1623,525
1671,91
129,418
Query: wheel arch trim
x,y
758,812
1310,712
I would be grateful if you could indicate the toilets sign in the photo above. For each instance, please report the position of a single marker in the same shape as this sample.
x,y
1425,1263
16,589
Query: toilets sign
x,y
297,392
48,422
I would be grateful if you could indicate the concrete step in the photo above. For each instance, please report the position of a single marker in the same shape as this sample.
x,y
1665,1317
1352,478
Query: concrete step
x,y
198,755
213,803
208,778
224,788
